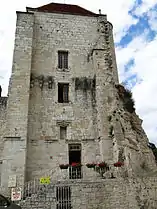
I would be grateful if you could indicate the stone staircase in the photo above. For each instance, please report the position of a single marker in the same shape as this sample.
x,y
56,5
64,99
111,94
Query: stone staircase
x,y
35,193
38,195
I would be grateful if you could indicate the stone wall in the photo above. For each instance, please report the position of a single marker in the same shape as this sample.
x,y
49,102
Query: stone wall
x,y
3,105
102,194
78,35
15,139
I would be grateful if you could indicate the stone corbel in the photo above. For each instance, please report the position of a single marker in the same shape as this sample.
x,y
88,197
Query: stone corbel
x,y
32,81
110,61
41,81
107,28
50,82
111,132
101,27
32,84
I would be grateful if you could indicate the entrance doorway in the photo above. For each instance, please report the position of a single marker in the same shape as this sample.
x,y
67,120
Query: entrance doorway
x,y
75,171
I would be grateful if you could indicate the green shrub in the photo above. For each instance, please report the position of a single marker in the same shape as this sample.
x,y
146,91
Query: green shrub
x,y
154,150
126,96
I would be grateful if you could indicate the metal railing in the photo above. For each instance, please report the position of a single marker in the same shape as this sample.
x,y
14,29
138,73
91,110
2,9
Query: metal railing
x,y
34,186
75,172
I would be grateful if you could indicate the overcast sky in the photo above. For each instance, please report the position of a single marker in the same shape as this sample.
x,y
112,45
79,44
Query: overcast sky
x,y
135,34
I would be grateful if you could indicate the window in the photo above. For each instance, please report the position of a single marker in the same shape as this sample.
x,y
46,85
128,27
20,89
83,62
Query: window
x,y
62,59
63,132
75,157
63,197
63,93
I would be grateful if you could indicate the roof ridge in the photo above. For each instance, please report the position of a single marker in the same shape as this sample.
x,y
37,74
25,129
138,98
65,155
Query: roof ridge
x,y
63,8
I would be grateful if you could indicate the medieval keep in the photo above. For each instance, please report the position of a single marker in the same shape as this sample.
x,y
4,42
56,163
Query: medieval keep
x,y
69,134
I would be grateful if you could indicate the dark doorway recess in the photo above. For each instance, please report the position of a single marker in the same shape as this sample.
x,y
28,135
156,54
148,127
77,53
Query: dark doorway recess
x,y
75,157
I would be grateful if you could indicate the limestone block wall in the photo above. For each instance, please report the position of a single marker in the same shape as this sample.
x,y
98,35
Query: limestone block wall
x,y
106,77
104,194
3,104
15,139
77,35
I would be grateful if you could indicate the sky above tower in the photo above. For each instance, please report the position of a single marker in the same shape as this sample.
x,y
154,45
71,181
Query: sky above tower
x,y
135,35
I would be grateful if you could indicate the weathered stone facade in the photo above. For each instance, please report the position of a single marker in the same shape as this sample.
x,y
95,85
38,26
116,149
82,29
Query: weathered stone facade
x,y
94,116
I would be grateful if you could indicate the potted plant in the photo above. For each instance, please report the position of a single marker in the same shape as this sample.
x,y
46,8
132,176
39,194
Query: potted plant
x,y
91,165
101,168
64,166
76,164
118,164
102,165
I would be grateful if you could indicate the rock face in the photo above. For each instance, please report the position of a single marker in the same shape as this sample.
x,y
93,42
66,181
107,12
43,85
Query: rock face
x,y
66,105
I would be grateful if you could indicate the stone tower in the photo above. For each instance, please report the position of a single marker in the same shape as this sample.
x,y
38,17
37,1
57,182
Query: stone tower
x,y
65,104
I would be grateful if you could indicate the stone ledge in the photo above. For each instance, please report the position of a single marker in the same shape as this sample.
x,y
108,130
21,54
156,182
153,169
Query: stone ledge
x,y
13,138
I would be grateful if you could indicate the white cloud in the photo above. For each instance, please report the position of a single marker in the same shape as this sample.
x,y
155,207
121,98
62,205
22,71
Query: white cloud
x,y
152,15
145,7
144,93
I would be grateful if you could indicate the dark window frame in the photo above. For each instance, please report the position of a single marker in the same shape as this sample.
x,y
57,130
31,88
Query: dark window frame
x,y
63,59
63,197
75,172
63,92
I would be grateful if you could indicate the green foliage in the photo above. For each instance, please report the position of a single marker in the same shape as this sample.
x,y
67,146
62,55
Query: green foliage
x,y
154,150
126,96
155,154
128,101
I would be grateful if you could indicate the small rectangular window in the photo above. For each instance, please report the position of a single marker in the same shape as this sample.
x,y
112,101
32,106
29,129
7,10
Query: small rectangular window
x,y
63,93
63,132
62,59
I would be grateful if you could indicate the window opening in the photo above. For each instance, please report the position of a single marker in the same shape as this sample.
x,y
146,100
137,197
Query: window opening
x,y
63,132
63,59
63,92
63,197
75,172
